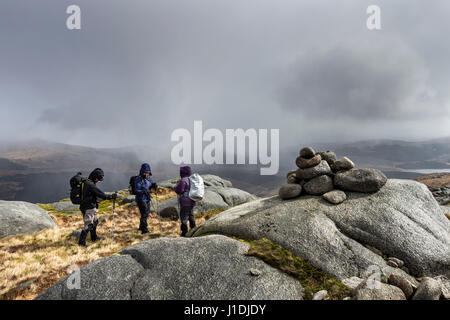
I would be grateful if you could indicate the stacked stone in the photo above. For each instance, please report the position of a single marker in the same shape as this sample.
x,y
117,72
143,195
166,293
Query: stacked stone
x,y
321,174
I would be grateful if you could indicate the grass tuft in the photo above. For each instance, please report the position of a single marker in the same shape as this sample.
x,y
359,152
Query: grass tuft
x,y
311,279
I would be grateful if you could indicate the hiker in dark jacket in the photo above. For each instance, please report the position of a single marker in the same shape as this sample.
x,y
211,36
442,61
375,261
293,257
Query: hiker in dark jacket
x,y
89,205
143,184
186,203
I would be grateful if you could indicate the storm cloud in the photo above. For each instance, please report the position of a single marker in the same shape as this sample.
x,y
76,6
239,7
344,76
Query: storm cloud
x,y
361,83
137,70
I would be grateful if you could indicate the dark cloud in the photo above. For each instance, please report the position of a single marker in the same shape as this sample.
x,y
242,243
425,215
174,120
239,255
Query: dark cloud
x,y
362,82
140,69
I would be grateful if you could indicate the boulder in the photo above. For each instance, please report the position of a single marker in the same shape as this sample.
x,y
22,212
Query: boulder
x,y
352,282
307,153
212,267
401,220
304,163
208,179
342,165
360,180
211,180
399,263
66,207
401,283
428,289
319,185
292,179
320,295
206,268
309,173
169,213
129,199
445,286
335,196
214,198
18,217
376,290
328,156
109,278
211,201
233,196
289,191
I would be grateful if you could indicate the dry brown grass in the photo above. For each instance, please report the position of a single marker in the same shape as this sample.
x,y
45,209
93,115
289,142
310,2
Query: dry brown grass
x,y
31,263
435,180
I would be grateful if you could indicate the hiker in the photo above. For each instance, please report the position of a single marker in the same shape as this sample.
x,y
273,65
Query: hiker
x,y
186,203
143,184
89,205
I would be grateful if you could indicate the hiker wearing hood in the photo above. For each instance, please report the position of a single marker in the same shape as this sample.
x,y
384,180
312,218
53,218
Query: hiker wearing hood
x,y
186,203
143,184
89,205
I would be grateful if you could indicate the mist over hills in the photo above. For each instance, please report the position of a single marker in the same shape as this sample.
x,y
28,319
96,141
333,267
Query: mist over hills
x,y
38,171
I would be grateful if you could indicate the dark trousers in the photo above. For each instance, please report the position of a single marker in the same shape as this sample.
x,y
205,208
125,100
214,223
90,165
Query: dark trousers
x,y
186,214
144,209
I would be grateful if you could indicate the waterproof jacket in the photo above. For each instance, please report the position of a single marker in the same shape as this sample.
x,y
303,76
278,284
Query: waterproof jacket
x,y
183,187
91,193
142,185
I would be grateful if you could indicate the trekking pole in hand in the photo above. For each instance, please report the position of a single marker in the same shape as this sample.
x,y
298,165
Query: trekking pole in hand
x,y
155,207
114,210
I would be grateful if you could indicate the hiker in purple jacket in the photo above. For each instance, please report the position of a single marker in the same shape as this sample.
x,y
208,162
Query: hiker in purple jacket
x,y
186,203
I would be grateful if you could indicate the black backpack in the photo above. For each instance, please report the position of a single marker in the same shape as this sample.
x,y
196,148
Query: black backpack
x,y
77,188
132,185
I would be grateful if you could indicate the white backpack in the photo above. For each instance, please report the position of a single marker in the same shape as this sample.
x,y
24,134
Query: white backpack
x,y
197,190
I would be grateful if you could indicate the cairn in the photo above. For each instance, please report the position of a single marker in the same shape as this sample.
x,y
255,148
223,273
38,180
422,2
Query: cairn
x,y
321,174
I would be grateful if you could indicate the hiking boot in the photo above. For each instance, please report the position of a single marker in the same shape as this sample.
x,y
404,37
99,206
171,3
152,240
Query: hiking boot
x,y
94,236
144,231
93,230
82,240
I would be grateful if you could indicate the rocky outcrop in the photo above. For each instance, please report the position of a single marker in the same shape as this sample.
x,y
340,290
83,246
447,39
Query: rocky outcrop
x,y
319,173
18,217
290,190
360,180
335,196
429,289
401,220
219,194
319,185
442,194
403,284
211,267
110,278
209,180
66,207
376,290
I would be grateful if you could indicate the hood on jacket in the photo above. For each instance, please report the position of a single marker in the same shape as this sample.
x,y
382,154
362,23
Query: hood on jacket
x,y
185,171
97,173
145,167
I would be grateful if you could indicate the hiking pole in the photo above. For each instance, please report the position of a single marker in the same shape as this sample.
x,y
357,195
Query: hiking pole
x,y
114,211
157,215
155,207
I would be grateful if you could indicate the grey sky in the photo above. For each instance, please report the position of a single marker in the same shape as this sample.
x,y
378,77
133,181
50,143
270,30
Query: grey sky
x,y
139,69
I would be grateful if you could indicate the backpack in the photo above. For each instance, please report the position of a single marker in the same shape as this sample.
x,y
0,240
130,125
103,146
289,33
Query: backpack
x,y
132,185
197,187
77,188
